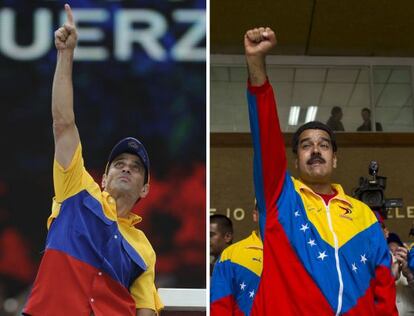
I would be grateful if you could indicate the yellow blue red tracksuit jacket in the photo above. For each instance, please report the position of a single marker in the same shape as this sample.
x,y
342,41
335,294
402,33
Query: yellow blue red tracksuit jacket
x,y
317,259
94,261
236,277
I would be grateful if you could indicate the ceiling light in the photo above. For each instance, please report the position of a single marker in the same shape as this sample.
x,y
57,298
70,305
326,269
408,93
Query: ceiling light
x,y
311,113
294,115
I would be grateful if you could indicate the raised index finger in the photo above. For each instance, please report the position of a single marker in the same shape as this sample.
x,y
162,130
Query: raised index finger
x,y
69,14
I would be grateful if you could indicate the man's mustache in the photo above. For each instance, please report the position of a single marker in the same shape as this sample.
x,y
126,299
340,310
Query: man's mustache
x,y
315,158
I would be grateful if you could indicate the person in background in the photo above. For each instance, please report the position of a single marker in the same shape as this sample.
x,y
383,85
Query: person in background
x,y
334,121
366,125
221,236
404,278
237,274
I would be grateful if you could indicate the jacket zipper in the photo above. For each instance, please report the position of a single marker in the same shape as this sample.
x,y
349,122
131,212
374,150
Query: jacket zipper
x,y
338,268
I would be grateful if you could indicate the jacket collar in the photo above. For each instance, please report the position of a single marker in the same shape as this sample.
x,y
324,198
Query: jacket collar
x,y
341,196
132,218
255,241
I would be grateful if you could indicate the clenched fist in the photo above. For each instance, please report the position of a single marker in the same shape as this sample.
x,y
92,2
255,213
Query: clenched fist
x,y
66,36
259,41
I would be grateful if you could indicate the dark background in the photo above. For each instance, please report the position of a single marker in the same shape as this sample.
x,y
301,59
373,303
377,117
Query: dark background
x,y
161,102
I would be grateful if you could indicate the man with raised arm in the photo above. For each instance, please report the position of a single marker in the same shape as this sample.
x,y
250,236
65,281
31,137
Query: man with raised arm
x,y
95,261
324,252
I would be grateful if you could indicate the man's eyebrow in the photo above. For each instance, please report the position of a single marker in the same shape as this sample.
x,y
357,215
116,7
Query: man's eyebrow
x,y
309,139
118,158
138,162
326,139
304,140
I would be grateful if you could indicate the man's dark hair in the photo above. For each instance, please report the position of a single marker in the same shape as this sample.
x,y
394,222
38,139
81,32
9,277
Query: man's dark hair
x,y
313,125
392,237
224,223
366,110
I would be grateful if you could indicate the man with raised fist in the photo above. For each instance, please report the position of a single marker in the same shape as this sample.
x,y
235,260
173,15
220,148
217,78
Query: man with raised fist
x,y
95,261
324,252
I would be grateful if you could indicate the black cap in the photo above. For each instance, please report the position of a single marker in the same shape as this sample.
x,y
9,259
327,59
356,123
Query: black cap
x,y
392,237
132,146
313,125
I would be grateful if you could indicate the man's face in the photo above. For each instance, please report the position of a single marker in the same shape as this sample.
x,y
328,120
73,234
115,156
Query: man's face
x,y
393,246
338,115
385,230
255,215
365,115
218,240
315,157
126,174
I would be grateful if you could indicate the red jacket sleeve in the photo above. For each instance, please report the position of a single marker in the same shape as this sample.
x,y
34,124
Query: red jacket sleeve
x,y
269,149
384,292
383,283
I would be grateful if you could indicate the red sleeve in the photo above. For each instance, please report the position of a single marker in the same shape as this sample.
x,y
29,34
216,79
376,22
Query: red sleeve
x,y
384,292
269,149
226,306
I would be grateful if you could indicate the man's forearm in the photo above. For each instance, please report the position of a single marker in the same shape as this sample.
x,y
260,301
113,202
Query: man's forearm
x,y
62,92
256,67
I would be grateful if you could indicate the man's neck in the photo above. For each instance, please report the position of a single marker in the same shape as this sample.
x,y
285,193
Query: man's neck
x,y
124,203
123,206
319,188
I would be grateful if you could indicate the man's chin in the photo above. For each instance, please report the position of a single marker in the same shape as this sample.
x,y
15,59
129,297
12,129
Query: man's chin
x,y
317,165
315,177
120,187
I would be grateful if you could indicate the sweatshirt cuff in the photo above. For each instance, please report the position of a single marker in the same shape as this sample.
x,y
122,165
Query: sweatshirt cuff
x,y
258,89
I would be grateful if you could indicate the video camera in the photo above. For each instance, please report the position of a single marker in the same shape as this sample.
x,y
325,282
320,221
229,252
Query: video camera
x,y
371,192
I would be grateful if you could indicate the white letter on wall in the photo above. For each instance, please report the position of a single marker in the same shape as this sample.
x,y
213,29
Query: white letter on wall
x,y
186,49
126,35
41,35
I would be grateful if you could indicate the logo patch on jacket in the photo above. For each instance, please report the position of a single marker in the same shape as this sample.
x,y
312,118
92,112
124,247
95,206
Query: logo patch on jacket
x,y
347,213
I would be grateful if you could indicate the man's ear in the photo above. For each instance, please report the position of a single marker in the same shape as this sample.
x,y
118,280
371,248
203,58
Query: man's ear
x,y
334,160
103,182
296,162
228,237
144,191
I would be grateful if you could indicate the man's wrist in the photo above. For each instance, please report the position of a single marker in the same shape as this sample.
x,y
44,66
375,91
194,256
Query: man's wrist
x,y
257,69
66,53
